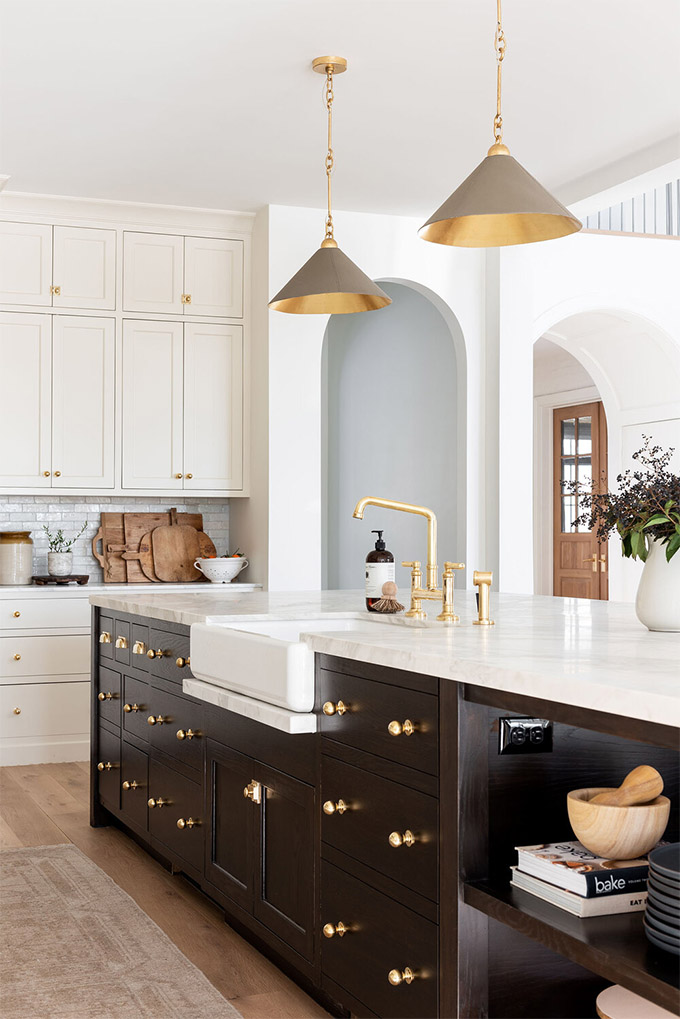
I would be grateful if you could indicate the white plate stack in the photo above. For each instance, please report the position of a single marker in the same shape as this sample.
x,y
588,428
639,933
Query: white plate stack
x,y
662,916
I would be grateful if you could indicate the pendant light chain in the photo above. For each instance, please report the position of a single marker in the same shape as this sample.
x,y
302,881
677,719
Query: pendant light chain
x,y
499,46
328,95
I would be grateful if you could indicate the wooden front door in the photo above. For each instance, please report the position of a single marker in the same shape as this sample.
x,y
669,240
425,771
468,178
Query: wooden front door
x,y
580,566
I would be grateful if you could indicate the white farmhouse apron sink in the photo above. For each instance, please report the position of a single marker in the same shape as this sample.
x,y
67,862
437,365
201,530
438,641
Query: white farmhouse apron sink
x,y
265,659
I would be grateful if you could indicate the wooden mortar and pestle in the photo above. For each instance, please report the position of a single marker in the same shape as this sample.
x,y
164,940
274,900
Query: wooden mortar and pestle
x,y
623,823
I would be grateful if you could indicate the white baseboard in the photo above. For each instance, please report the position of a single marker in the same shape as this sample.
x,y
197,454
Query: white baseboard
x,y
44,749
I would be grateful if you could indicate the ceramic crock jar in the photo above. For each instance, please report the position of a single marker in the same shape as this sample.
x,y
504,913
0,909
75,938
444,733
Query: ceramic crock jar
x,y
16,557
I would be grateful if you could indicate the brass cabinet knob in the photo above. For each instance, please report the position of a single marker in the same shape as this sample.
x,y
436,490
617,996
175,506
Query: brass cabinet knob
x,y
56,291
104,766
157,720
189,476
253,791
105,637
46,474
191,822
186,298
158,653
157,801
181,662
396,839
178,476
187,734
401,976
17,711
330,807
121,642
57,474
127,708
330,708
339,928
130,785
17,656
398,729
16,614
139,648
108,696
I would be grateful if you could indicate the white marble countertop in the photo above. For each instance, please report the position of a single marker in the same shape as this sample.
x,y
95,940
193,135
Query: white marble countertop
x,y
85,590
587,653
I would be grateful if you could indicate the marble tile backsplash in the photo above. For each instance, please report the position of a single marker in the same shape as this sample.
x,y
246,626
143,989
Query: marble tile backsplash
x,y
29,513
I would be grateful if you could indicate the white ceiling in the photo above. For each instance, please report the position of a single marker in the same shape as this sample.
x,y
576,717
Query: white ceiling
x,y
212,103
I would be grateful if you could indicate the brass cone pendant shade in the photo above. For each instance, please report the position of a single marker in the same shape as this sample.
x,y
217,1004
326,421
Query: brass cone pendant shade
x,y
500,203
329,283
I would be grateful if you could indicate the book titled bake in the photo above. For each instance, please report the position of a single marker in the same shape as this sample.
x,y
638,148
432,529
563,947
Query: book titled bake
x,y
579,905
571,866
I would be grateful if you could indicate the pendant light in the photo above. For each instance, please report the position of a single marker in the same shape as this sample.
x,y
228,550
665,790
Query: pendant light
x,y
500,202
329,283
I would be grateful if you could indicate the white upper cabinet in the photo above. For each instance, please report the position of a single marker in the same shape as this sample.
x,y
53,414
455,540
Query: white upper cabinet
x,y
152,405
153,272
83,378
213,277
182,275
84,273
213,407
25,264
25,400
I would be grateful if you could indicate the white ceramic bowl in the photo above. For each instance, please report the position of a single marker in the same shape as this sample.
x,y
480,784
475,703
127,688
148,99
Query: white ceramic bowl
x,y
221,571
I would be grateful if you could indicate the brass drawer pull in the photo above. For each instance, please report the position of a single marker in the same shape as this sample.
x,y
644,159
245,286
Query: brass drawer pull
x,y
139,648
105,766
131,785
397,729
339,928
253,791
187,734
330,708
105,637
191,822
121,642
16,614
181,662
401,976
17,656
157,720
17,711
186,298
127,708
330,807
108,696
158,653
157,801
55,291
396,839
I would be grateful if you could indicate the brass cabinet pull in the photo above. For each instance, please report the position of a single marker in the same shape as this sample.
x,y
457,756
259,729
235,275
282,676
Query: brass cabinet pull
x,y
401,976
17,711
191,822
253,791
186,298
139,648
157,801
131,785
16,614
105,766
158,653
121,642
46,474
339,928
157,720
187,734
330,708
178,476
57,474
108,696
189,476
55,291
127,708
17,656
330,807
396,839
181,662
398,729
105,637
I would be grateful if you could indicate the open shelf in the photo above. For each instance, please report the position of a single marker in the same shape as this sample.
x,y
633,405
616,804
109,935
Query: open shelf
x,y
614,947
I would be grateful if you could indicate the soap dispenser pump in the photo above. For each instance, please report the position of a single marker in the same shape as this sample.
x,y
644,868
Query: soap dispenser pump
x,y
379,569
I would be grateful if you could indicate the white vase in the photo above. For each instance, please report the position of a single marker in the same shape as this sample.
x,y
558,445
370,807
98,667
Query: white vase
x,y
59,564
658,598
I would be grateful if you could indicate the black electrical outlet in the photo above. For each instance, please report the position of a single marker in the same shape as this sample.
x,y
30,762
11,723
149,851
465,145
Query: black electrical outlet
x,y
525,736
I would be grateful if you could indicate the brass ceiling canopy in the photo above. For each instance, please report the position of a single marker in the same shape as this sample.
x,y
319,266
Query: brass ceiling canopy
x,y
500,202
329,283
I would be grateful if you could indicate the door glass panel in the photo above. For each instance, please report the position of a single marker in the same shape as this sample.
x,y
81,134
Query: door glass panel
x,y
568,468
568,513
585,473
568,436
585,442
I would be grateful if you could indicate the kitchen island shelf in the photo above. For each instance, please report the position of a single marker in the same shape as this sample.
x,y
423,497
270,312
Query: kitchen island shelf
x,y
613,947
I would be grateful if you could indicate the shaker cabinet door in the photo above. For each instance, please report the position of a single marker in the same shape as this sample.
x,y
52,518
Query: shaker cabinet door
x,y
84,272
231,819
213,277
213,407
153,272
25,400
152,405
82,402
25,264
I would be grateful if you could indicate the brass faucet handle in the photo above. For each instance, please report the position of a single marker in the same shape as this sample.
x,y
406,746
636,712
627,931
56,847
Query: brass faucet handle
x,y
415,565
483,579
449,567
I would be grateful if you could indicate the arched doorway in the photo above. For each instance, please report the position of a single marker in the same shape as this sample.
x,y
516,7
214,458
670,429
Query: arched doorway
x,y
393,425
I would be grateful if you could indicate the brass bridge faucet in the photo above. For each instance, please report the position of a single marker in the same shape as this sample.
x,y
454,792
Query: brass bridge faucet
x,y
431,591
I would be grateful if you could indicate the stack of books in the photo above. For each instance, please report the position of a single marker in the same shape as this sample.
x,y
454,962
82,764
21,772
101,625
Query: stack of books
x,y
568,876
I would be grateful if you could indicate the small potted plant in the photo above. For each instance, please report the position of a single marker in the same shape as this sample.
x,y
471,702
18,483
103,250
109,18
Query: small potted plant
x,y
60,556
645,513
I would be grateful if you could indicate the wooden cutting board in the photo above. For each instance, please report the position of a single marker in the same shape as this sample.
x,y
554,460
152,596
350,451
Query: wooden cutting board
x,y
111,532
175,547
142,559
119,534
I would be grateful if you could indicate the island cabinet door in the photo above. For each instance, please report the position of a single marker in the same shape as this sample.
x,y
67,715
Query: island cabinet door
x,y
284,892
230,860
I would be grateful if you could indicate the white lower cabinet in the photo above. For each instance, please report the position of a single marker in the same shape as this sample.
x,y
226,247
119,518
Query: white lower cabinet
x,y
44,709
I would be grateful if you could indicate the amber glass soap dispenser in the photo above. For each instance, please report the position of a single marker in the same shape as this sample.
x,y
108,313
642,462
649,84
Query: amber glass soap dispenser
x,y
379,568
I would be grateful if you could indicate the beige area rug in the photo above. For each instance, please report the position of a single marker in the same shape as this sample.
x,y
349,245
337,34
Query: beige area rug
x,y
73,945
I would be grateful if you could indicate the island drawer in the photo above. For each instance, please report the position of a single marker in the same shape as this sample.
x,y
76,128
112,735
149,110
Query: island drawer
x,y
174,648
384,937
178,824
378,813
108,695
134,784
377,718
136,707
108,769
178,730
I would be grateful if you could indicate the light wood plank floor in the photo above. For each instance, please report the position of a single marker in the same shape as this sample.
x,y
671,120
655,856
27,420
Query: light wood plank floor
x,y
46,804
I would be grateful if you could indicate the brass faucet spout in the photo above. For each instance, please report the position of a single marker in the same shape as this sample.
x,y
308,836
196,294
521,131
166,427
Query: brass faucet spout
x,y
422,511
